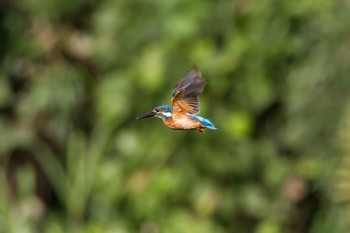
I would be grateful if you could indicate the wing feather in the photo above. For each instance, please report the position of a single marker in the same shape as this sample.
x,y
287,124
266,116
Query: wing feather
x,y
186,93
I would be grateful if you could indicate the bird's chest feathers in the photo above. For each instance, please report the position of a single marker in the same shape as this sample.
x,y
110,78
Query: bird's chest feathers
x,y
181,123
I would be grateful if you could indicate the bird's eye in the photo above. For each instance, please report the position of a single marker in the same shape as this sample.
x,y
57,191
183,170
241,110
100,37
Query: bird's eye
x,y
157,110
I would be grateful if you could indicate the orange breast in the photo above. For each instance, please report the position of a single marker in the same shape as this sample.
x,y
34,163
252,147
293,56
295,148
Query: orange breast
x,y
182,123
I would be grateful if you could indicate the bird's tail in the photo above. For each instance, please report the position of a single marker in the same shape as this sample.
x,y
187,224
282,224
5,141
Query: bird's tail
x,y
207,123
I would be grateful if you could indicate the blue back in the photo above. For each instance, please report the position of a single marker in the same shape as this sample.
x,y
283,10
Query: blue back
x,y
207,123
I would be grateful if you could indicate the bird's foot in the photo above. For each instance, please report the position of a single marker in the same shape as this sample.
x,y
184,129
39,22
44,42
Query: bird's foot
x,y
202,130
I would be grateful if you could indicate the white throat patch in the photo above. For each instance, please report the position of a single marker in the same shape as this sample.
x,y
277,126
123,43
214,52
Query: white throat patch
x,y
167,114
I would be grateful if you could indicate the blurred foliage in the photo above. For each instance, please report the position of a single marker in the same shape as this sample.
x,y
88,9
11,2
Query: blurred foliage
x,y
74,74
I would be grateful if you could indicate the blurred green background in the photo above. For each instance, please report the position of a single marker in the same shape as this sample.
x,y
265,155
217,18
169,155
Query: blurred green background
x,y
75,74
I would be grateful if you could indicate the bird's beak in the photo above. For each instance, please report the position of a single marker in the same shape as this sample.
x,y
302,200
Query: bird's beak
x,y
149,114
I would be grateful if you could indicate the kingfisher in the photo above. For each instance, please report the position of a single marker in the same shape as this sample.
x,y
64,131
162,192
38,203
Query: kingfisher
x,y
182,113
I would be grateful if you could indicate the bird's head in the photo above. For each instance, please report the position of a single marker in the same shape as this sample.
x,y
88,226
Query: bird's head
x,y
163,111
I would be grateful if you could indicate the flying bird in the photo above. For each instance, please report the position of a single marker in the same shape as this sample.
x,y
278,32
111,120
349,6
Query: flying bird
x,y
182,113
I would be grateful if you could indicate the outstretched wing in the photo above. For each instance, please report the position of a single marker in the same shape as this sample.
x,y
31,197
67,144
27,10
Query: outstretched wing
x,y
186,93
